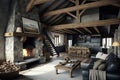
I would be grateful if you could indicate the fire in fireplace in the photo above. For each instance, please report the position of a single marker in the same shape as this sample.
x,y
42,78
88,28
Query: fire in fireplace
x,y
29,48
28,53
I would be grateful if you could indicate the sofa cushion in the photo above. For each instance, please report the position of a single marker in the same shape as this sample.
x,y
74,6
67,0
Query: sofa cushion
x,y
101,55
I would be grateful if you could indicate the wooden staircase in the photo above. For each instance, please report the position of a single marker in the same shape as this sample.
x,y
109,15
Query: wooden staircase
x,y
50,48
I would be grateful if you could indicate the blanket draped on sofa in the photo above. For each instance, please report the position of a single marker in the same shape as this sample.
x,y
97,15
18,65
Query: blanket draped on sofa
x,y
97,75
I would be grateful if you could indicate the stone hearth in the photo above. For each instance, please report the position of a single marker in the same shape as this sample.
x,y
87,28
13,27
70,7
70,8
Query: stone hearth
x,y
14,49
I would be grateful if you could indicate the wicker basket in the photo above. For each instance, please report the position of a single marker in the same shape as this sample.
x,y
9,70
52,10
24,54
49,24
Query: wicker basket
x,y
9,75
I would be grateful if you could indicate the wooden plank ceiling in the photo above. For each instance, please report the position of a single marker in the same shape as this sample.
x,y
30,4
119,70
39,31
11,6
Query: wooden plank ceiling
x,y
64,16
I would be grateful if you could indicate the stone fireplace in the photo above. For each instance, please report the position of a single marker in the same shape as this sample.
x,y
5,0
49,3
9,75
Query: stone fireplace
x,y
19,51
29,48
28,53
16,42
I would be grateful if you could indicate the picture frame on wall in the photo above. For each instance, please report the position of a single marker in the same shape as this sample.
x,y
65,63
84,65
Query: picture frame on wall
x,y
30,26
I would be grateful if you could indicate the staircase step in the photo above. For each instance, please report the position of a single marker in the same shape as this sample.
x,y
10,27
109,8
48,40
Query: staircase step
x,y
50,47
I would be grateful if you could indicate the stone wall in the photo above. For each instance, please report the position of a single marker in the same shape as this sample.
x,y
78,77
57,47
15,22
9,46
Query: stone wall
x,y
4,17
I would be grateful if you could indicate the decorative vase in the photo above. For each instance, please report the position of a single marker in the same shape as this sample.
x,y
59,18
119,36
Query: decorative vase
x,y
18,29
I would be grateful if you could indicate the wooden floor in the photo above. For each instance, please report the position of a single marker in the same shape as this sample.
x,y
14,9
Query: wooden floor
x,y
47,72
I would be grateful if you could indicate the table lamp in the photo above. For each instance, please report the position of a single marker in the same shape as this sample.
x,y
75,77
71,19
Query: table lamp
x,y
116,44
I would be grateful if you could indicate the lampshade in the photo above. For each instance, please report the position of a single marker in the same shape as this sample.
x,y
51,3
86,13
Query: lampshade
x,y
116,43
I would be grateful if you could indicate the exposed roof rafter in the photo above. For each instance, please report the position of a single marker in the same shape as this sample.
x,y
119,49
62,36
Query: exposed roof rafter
x,y
33,3
88,30
73,1
116,4
72,15
67,30
78,31
81,7
96,29
85,24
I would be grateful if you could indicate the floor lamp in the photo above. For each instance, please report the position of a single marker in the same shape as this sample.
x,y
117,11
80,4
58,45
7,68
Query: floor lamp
x,y
116,44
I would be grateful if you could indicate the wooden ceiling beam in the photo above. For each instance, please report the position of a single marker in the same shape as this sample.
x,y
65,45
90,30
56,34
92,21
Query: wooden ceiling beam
x,y
29,5
82,12
96,29
81,7
63,31
83,1
72,15
78,31
85,24
116,4
59,32
40,1
33,3
66,30
77,3
78,14
73,1
60,21
57,20
86,29
55,3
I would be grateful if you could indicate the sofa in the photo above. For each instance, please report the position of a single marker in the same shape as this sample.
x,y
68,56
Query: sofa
x,y
112,67
78,53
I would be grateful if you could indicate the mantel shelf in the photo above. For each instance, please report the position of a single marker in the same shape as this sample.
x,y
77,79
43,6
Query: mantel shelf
x,y
10,34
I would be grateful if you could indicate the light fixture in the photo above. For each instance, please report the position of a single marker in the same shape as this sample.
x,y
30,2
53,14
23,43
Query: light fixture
x,y
116,44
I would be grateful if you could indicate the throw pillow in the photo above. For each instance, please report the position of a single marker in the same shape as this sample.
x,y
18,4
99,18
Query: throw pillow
x,y
99,54
104,56
97,63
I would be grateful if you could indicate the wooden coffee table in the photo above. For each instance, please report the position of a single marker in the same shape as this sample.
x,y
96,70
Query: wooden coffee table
x,y
68,66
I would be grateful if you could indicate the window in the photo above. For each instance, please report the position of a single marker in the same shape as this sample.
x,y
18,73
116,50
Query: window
x,y
106,42
69,43
56,40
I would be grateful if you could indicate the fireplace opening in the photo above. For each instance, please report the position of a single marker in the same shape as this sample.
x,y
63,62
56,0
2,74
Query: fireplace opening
x,y
28,53
29,48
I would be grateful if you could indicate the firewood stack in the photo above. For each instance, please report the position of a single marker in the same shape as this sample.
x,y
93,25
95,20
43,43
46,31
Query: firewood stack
x,y
8,67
